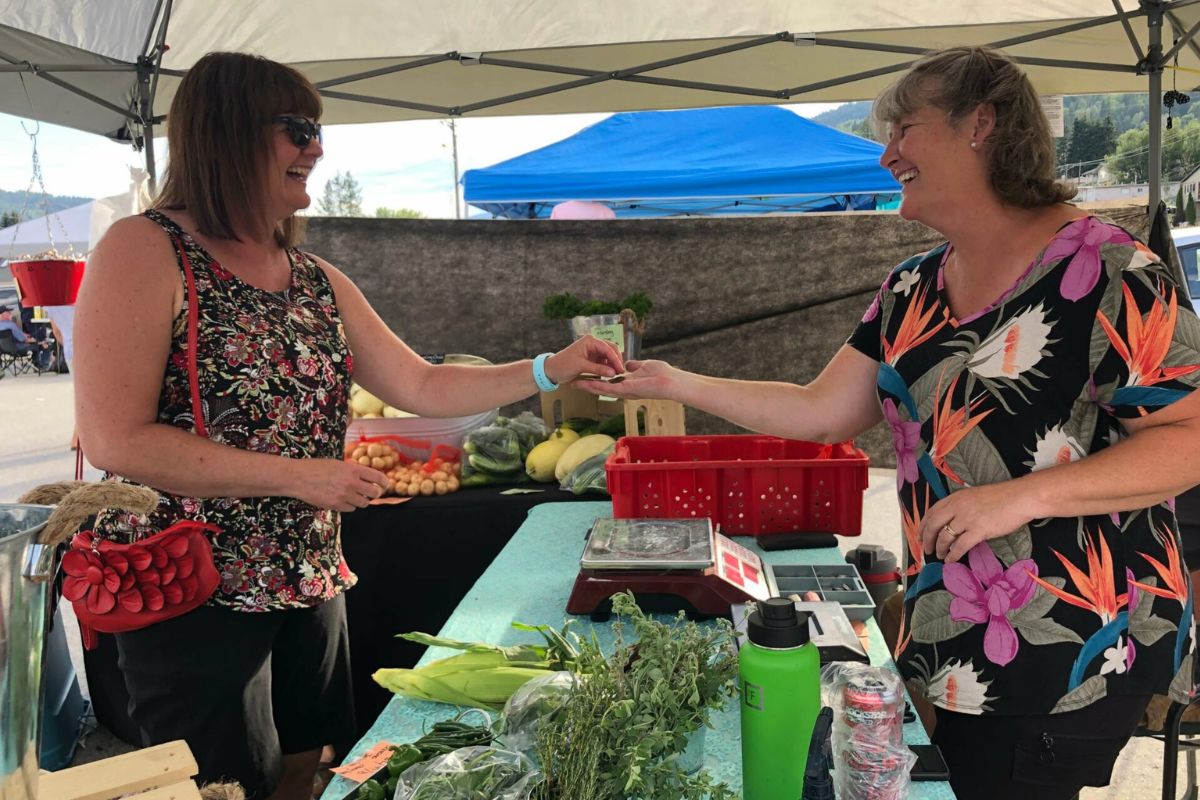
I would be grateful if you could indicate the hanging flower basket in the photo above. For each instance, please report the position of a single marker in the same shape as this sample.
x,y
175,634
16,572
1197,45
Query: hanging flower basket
x,y
48,281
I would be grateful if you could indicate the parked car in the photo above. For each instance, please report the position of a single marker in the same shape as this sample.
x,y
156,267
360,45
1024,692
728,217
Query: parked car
x,y
1187,242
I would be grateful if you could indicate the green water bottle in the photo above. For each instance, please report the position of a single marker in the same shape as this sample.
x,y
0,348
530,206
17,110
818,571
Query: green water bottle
x,y
779,673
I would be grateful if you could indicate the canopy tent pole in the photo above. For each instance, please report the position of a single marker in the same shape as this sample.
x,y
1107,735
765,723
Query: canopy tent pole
x,y
149,65
146,114
1154,67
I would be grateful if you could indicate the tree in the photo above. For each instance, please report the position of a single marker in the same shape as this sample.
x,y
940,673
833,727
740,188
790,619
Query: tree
x,y
864,127
342,197
398,213
1191,209
1180,209
9,218
1090,142
1180,152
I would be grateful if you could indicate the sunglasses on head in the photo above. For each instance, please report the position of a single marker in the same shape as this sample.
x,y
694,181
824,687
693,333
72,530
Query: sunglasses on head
x,y
300,129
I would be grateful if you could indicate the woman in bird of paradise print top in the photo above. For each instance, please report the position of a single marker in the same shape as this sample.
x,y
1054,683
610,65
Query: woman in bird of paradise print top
x,y
1036,373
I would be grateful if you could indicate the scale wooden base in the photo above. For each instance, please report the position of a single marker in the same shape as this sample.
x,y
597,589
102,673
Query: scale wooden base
x,y
162,772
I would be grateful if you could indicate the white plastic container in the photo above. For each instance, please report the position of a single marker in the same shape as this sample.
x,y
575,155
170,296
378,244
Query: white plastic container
x,y
448,431
425,432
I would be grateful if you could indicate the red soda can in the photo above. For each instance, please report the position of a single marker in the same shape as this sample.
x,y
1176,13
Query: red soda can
x,y
873,715
873,709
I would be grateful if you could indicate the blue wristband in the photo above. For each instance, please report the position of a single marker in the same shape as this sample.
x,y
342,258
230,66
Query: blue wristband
x,y
539,373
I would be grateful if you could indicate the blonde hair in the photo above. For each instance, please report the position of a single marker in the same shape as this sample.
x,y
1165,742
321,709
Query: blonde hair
x,y
1019,150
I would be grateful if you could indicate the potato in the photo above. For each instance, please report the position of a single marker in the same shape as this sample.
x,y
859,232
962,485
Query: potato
x,y
374,450
378,463
413,489
440,487
365,461
390,488
426,487
439,476
359,452
452,484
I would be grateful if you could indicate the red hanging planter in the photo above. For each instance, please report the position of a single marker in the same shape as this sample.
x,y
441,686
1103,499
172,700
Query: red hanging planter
x,y
48,281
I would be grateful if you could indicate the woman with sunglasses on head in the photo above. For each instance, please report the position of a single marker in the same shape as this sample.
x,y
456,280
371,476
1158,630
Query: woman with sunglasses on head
x,y
1037,373
256,680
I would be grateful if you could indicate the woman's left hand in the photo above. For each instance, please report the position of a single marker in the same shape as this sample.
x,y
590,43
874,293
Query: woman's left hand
x,y
957,523
586,355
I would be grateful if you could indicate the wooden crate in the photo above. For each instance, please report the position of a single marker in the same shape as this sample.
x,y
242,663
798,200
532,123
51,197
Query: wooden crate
x,y
566,402
162,772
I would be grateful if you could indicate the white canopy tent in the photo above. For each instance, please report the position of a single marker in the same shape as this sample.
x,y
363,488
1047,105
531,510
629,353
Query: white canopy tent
x,y
111,68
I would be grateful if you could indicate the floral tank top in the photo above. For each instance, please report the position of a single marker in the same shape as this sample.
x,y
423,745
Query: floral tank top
x,y
274,375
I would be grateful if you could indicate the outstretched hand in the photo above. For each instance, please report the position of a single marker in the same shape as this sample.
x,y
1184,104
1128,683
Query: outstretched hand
x,y
654,380
587,355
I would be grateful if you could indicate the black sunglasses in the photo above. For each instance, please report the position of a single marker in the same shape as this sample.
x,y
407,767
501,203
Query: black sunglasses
x,y
301,130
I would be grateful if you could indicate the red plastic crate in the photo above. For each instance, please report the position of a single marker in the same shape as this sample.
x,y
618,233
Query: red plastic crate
x,y
748,484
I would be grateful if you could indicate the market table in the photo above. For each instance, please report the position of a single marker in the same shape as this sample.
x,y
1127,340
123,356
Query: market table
x,y
529,581
415,561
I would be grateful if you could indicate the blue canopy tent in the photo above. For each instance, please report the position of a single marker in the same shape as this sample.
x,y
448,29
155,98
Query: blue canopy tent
x,y
739,160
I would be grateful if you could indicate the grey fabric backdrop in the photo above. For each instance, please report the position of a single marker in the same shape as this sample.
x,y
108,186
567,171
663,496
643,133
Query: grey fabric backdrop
x,y
768,298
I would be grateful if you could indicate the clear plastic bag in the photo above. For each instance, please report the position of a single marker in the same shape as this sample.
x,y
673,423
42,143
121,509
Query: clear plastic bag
x,y
536,701
469,772
589,476
871,761
529,428
495,449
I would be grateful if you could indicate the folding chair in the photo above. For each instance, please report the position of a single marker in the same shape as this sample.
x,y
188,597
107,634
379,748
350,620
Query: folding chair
x,y
13,359
1177,734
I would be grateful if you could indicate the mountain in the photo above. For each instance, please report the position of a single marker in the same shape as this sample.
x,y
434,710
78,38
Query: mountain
x,y
1127,111
13,202
846,112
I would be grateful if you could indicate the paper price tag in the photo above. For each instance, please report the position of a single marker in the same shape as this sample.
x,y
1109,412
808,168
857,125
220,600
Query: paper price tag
x,y
611,333
366,766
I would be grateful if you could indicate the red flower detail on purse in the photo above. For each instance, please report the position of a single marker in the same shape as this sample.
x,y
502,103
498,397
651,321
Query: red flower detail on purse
x,y
124,587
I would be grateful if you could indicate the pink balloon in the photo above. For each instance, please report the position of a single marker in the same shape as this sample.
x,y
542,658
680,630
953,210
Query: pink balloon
x,y
582,209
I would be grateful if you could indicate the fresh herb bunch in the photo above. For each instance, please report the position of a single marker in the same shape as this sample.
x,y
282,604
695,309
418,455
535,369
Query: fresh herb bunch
x,y
620,732
567,305
444,737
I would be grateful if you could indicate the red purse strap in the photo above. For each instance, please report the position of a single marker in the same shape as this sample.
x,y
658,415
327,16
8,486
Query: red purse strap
x,y
193,323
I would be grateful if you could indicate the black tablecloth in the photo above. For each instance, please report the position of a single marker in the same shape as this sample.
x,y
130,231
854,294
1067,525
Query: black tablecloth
x,y
415,562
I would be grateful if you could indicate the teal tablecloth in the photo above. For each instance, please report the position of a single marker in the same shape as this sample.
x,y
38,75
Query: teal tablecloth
x,y
529,582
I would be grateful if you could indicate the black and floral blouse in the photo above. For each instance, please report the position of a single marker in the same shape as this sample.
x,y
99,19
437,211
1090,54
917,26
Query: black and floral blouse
x,y
1063,611
274,375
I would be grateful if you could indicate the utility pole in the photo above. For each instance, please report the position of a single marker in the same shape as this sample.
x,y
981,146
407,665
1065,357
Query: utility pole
x,y
454,155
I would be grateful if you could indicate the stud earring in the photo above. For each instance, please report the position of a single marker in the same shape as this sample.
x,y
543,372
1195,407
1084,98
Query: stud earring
x,y
974,145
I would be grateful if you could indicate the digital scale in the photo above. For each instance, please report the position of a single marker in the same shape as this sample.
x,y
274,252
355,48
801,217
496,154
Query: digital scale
x,y
685,564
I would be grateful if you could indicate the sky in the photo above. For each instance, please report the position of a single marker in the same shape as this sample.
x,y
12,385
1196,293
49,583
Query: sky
x,y
398,164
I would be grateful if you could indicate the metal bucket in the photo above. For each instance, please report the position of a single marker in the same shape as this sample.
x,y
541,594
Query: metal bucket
x,y
25,569
631,345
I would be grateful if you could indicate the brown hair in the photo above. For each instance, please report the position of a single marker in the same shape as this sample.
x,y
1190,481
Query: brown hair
x,y
1019,150
219,132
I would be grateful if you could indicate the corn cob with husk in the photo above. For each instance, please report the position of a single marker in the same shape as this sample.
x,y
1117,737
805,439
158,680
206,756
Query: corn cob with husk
x,y
484,675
